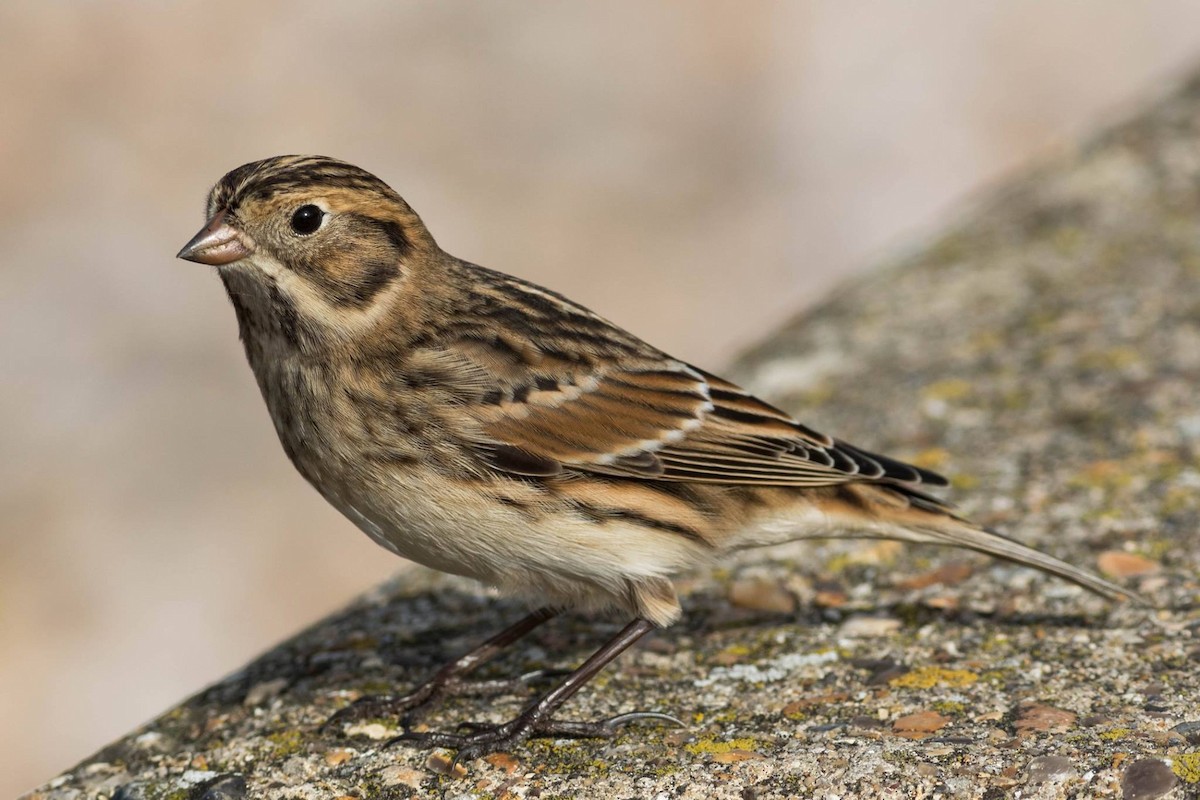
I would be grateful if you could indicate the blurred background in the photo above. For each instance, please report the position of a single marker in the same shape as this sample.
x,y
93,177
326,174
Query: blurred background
x,y
697,172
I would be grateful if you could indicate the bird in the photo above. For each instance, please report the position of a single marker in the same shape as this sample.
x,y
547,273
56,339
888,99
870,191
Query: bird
x,y
488,427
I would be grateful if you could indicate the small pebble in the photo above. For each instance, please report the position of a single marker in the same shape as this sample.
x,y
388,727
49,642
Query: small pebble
x,y
830,596
372,730
866,722
760,594
863,627
1189,731
1044,769
225,787
504,761
402,776
194,776
920,724
1044,719
148,739
134,790
1147,779
1120,564
949,574
943,602
829,726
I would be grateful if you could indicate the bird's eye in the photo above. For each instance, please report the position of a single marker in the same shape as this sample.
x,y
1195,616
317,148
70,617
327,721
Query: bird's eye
x,y
307,219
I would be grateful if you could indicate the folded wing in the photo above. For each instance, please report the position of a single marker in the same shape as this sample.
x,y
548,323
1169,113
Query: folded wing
x,y
666,420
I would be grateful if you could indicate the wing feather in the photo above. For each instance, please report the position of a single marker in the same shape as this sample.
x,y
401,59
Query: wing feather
x,y
571,392
673,422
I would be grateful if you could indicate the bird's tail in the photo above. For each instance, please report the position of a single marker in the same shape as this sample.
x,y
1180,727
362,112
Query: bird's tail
x,y
886,512
956,532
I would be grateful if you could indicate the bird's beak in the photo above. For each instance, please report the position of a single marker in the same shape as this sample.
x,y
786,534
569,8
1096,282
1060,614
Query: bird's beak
x,y
217,243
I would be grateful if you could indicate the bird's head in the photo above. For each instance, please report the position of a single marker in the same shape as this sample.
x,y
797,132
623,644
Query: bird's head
x,y
311,237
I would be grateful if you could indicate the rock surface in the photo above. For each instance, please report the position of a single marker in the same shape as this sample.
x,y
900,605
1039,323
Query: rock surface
x,y
1045,354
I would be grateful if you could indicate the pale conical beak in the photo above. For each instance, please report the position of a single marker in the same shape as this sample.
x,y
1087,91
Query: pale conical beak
x,y
217,243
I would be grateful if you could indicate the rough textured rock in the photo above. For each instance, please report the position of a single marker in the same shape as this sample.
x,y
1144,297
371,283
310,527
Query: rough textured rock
x,y
1045,353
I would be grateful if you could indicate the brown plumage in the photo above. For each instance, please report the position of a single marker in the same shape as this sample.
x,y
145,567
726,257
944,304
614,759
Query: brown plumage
x,y
488,427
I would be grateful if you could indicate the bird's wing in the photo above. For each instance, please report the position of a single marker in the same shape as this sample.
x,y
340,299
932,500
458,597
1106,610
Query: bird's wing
x,y
659,419
560,389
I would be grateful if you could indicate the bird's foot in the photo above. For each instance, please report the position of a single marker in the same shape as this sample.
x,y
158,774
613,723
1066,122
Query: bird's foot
x,y
478,739
409,708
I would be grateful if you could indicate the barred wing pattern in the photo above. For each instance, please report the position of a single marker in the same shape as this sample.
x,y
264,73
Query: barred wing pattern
x,y
565,390
670,421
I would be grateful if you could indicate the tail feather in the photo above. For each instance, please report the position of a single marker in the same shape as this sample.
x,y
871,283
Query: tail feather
x,y
896,512
961,533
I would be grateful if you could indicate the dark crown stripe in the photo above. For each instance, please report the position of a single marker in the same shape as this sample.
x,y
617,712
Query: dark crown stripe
x,y
271,176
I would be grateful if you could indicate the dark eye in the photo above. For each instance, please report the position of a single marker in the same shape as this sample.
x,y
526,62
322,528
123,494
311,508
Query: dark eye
x,y
307,219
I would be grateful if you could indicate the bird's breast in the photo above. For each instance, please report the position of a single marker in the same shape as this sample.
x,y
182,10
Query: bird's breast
x,y
396,464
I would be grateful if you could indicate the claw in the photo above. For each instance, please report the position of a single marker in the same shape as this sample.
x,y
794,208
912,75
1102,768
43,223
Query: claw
x,y
645,716
474,739
408,709
370,706
424,739
605,728
536,720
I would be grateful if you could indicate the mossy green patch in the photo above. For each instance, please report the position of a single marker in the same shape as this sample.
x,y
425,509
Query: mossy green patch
x,y
1186,767
1115,734
928,677
285,743
736,650
712,746
660,769
1178,499
900,757
723,717
563,757
1158,549
950,707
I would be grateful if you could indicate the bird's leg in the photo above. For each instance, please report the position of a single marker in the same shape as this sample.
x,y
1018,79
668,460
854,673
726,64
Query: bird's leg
x,y
537,718
447,680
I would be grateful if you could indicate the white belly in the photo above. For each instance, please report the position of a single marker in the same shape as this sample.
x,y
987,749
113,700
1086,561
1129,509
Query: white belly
x,y
556,558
